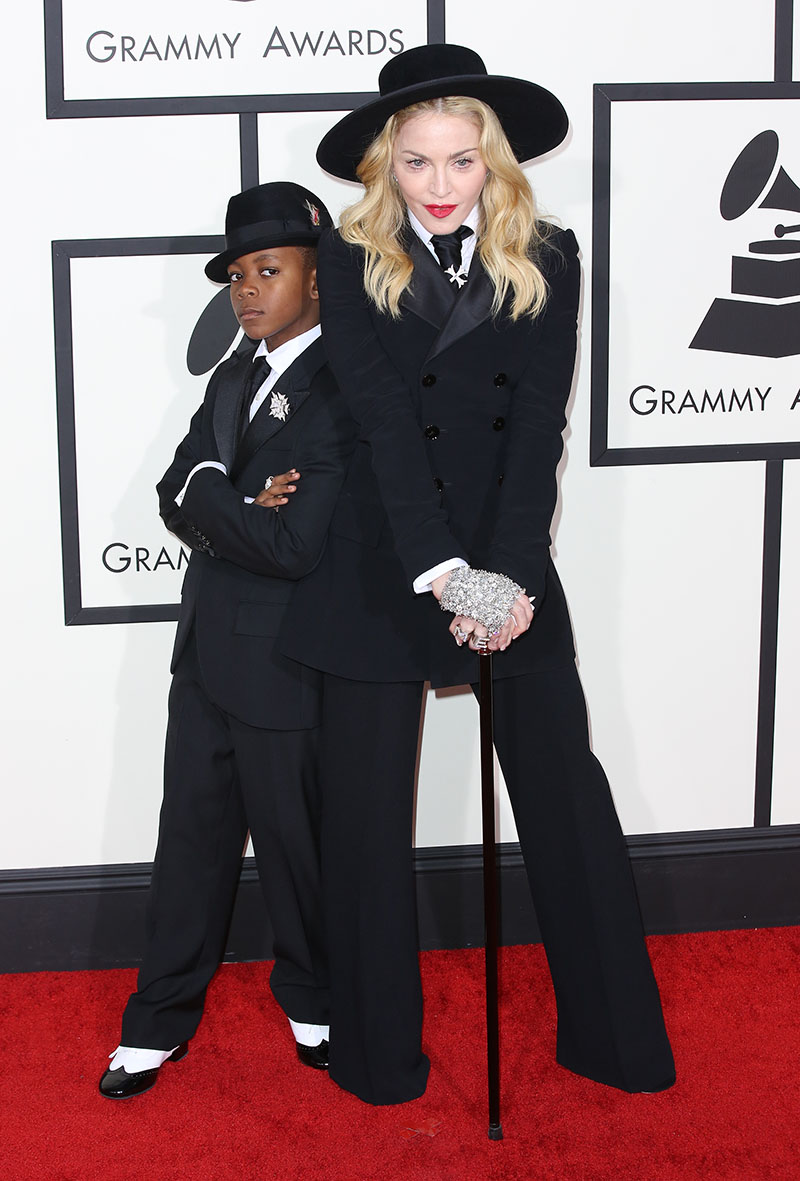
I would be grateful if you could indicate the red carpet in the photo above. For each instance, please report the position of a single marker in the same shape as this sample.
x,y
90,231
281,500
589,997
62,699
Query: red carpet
x,y
241,1106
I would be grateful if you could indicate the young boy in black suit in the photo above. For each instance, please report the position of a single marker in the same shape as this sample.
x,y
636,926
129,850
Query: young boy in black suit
x,y
241,736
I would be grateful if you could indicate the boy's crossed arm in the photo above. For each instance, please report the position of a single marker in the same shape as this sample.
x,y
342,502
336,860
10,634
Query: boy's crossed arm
x,y
187,457
287,544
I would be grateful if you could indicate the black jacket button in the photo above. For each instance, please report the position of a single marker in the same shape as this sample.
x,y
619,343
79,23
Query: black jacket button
x,y
429,379
438,484
500,482
432,431
499,423
500,379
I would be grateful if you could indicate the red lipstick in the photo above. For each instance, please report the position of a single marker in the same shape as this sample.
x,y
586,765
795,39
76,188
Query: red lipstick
x,y
440,210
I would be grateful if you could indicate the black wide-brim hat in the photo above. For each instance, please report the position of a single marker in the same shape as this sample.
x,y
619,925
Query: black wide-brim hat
x,y
280,213
533,119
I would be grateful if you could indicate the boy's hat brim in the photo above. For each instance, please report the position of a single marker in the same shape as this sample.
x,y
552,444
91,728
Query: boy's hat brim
x,y
280,213
532,118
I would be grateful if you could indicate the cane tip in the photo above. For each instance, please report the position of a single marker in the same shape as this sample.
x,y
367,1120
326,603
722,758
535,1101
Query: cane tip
x,y
495,1131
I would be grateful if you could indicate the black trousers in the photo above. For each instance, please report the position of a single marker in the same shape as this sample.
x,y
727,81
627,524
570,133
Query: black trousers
x,y
221,777
610,1025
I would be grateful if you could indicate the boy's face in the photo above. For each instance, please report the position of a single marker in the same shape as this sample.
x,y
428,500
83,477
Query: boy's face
x,y
274,294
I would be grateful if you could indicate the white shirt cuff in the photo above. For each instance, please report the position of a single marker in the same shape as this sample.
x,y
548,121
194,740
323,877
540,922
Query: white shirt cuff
x,y
424,582
197,467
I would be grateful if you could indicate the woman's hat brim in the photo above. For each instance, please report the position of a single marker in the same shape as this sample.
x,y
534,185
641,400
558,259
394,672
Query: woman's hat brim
x,y
217,268
532,117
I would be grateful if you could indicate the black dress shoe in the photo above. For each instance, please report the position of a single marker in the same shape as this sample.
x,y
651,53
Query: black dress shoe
x,y
118,1084
316,1056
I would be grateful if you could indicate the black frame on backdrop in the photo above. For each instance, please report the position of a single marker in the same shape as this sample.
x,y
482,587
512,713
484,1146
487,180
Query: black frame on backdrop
x,y
601,455
59,107
63,253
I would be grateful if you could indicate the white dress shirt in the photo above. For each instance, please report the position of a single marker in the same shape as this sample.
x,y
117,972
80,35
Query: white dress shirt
x,y
467,246
280,359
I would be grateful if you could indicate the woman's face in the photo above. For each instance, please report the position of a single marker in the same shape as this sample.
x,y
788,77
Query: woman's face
x,y
439,169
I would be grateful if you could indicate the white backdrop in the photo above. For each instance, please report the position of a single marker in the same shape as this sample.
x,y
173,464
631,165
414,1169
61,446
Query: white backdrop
x,y
662,564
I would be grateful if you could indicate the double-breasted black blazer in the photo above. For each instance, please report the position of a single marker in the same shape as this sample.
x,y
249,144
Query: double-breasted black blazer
x,y
246,559
460,418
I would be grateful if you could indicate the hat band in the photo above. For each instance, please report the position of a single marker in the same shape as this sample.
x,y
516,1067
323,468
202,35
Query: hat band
x,y
276,228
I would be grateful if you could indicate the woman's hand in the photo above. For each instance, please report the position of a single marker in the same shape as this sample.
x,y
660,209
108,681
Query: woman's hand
x,y
274,494
467,631
519,620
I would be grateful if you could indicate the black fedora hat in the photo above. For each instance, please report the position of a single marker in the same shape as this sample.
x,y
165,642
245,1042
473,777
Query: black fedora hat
x,y
277,214
533,119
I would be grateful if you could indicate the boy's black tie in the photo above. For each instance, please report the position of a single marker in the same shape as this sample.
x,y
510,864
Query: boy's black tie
x,y
448,251
260,370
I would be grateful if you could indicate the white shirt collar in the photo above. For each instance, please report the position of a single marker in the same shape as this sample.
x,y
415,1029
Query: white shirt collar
x,y
472,219
467,246
282,357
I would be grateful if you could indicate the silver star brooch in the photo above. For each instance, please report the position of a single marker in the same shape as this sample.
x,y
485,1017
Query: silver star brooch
x,y
279,406
457,277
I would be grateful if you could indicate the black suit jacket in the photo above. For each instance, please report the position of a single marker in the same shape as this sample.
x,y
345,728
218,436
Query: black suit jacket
x,y
460,432
247,559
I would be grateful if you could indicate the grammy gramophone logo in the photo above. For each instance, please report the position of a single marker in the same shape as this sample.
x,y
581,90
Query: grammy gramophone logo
x,y
766,321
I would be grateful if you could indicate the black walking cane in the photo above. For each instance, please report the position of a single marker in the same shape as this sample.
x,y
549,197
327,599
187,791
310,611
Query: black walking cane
x,y
490,899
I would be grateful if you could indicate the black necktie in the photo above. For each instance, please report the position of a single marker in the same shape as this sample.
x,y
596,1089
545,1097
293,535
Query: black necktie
x,y
448,251
260,370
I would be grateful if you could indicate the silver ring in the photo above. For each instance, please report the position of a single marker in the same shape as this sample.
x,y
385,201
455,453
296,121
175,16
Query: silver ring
x,y
480,642
268,483
461,634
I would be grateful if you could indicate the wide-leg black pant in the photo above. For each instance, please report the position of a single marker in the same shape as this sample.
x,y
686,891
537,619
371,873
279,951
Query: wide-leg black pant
x,y
610,1025
221,777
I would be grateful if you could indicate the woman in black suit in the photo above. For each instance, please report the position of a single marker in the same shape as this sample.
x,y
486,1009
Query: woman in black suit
x,y
456,358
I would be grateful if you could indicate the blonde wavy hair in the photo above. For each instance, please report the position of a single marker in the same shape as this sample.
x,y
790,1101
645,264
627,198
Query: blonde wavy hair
x,y
511,238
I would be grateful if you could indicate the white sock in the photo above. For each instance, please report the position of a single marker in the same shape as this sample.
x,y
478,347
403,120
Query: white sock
x,y
133,1059
309,1035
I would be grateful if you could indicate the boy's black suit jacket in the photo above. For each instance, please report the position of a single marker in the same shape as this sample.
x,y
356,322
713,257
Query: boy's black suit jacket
x,y
246,559
460,420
